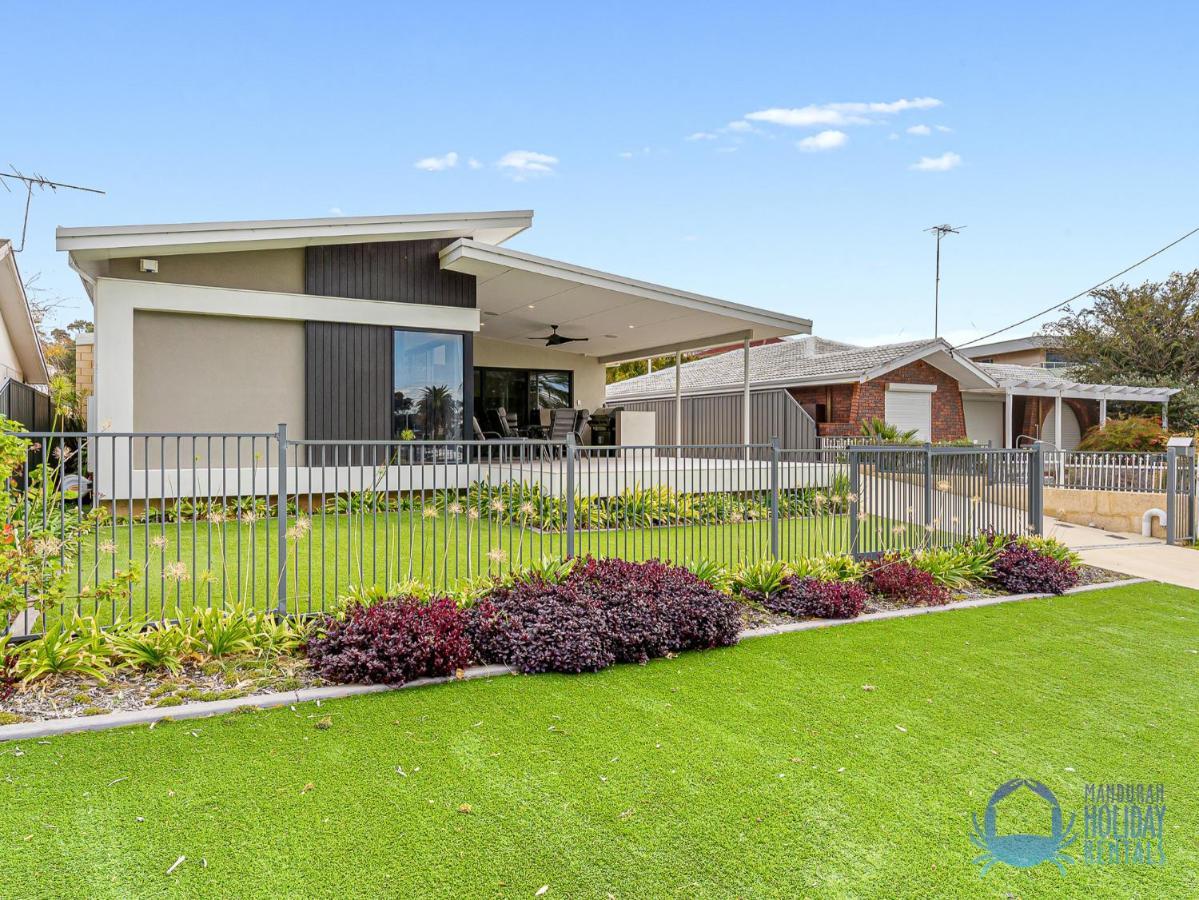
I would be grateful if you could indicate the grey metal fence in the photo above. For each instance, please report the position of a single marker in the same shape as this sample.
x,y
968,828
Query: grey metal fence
x,y
151,526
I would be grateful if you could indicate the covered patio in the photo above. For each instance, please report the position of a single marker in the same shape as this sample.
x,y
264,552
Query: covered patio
x,y
1044,405
539,314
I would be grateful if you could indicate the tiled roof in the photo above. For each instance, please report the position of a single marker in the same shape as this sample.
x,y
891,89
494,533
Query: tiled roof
x,y
801,359
1012,376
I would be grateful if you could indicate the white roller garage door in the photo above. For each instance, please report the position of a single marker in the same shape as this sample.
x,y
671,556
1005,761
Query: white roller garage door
x,y
984,420
910,408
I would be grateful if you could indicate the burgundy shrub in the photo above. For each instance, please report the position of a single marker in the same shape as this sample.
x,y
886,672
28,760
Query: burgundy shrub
x,y
898,579
535,626
1020,569
605,611
392,642
9,679
805,598
653,608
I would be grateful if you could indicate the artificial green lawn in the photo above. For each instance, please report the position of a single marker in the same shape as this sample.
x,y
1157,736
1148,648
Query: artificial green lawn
x,y
760,770
389,548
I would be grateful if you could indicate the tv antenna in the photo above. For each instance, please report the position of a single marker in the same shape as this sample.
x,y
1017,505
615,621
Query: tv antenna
x,y
940,231
42,183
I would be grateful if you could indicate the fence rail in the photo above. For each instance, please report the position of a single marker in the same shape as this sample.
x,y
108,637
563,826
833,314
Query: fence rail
x,y
151,526
1105,471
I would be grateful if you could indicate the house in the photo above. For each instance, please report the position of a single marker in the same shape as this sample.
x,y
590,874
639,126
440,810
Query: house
x,y
811,388
23,373
367,327
1036,350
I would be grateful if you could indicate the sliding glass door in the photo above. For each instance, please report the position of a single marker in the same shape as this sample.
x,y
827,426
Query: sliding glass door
x,y
521,393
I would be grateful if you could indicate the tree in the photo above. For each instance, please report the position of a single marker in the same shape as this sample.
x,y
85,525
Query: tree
x,y
1146,336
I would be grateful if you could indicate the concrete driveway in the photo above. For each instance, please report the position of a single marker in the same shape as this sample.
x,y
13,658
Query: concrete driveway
x,y
1132,554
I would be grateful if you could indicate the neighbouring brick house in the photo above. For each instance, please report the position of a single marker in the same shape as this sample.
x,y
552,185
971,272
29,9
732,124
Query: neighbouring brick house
x,y
924,386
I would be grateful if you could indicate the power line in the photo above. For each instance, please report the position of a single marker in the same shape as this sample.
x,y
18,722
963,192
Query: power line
x,y
940,231
1093,287
38,181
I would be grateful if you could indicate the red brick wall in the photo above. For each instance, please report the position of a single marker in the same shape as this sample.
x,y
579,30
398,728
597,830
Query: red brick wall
x,y
949,421
850,404
1037,408
837,399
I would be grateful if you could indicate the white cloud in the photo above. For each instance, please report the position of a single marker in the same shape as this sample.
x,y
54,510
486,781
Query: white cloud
x,y
738,125
944,128
701,136
837,113
920,129
474,163
625,155
522,164
335,211
942,163
437,163
728,149
826,140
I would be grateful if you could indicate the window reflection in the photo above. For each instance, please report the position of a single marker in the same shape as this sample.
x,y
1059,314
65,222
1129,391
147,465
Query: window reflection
x,y
428,401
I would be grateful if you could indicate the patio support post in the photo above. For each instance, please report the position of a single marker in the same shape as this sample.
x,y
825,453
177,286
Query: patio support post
x,y
1102,412
570,496
678,404
281,520
1057,439
746,416
774,497
1008,413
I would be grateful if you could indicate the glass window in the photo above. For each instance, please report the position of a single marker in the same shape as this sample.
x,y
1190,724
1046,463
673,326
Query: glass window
x,y
428,385
520,393
552,390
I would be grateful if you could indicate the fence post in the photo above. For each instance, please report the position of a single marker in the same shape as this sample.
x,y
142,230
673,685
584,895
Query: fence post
x,y
281,520
1171,494
774,497
928,493
1036,488
855,495
570,496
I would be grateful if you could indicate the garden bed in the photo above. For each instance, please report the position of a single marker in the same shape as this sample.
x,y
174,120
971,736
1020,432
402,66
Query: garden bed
x,y
574,616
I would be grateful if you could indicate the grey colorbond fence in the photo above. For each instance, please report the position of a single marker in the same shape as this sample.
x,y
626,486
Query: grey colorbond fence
x,y
716,421
291,525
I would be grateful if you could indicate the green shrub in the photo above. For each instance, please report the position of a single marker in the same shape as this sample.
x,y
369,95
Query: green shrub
x,y
762,578
882,432
60,651
1050,547
712,572
841,567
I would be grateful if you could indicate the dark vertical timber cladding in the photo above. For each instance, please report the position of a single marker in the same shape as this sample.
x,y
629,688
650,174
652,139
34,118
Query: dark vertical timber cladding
x,y
348,390
397,271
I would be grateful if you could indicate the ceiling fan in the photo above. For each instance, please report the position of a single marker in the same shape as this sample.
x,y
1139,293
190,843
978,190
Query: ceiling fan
x,y
554,339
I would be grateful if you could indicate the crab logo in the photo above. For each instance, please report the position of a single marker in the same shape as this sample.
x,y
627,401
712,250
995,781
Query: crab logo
x,y
1022,851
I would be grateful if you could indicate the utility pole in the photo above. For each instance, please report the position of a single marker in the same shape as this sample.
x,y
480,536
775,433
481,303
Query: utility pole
x,y
940,231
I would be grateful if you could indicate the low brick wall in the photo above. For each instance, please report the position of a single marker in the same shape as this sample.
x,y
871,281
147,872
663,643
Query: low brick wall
x,y
1109,510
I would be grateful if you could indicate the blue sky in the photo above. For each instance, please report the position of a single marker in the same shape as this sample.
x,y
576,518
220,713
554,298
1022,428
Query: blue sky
x,y
1071,132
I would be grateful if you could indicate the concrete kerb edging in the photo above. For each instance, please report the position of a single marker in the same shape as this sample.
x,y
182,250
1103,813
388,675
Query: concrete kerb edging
x,y
30,730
